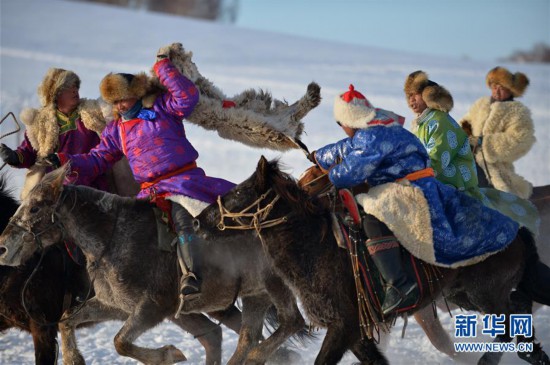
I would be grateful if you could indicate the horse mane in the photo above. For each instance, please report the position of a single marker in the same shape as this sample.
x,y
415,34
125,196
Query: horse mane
x,y
106,202
288,189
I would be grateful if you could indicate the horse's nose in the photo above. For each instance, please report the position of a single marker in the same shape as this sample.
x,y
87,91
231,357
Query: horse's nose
x,y
3,251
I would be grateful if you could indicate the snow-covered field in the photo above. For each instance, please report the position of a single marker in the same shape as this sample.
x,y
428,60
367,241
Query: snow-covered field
x,y
93,40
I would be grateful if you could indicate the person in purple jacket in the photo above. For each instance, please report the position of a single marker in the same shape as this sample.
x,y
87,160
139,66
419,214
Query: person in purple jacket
x,y
161,158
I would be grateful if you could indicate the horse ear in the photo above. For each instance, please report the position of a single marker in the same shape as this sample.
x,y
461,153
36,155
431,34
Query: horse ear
x,y
262,164
261,173
54,180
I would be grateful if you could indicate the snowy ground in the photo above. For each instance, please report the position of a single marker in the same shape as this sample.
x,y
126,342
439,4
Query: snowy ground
x,y
93,40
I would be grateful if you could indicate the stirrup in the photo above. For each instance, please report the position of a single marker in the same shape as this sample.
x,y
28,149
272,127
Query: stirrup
x,y
403,297
186,297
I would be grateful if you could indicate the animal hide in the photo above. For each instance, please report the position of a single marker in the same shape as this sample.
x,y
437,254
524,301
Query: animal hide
x,y
256,120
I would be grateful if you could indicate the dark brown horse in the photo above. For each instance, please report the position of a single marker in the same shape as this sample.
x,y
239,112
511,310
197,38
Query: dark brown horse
x,y
57,280
306,255
137,282
316,183
55,286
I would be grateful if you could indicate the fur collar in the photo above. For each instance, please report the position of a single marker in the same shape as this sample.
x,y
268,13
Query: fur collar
x,y
43,129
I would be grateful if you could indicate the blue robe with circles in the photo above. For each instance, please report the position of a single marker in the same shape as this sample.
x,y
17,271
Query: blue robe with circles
x,y
462,227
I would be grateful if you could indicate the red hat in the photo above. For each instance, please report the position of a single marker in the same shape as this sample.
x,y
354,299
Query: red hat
x,y
352,109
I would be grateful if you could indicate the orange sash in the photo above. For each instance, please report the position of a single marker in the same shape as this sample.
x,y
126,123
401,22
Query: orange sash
x,y
189,166
427,172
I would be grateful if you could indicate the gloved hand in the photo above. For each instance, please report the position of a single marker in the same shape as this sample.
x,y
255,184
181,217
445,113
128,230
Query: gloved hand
x,y
163,52
53,160
311,157
9,156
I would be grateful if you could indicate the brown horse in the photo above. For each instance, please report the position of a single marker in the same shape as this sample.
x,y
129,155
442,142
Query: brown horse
x,y
316,183
137,282
308,258
55,286
49,283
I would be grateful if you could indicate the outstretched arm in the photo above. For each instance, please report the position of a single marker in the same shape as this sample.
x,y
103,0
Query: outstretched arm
x,y
182,95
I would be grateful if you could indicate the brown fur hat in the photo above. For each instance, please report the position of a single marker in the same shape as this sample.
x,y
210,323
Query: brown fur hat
x,y
120,86
516,83
434,95
56,80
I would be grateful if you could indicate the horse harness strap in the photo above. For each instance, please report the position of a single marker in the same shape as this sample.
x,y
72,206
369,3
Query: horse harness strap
x,y
257,219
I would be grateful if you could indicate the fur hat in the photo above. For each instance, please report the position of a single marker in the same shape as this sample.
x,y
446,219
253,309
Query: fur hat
x,y
56,80
121,86
434,95
516,83
352,109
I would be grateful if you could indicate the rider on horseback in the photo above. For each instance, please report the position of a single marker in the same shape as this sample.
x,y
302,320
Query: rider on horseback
x,y
453,161
501,131
148,130
405,203
64,123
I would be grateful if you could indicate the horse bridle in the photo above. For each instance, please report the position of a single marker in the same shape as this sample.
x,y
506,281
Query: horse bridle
x,y
257,219
26,227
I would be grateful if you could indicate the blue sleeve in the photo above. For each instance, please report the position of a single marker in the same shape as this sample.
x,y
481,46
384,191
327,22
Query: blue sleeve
x,y
333,153
363,156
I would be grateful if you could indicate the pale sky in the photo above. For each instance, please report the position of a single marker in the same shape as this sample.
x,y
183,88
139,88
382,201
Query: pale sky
x,y
477,29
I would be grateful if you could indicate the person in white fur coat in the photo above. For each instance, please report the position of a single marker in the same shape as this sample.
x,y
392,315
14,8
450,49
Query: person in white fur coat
x,y
501,131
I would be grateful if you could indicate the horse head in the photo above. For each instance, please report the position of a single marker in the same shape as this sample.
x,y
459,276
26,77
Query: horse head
x,y
35,225
267,196
314,181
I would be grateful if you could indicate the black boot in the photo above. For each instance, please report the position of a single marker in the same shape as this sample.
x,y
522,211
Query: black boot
x,y
188,255
386,254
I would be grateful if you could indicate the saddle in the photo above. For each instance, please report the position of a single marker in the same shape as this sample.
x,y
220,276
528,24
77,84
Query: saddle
x,y
348,231
368,280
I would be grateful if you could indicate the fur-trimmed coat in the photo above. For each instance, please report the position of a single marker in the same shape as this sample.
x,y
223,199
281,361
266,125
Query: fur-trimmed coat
x,y
508,134
43,137
435,222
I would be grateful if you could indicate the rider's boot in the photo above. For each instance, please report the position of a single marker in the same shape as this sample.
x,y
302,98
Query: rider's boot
x,y
188,255
386,254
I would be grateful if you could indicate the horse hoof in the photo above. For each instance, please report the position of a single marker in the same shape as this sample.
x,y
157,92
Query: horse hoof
x,y
77,359
172,355
537,357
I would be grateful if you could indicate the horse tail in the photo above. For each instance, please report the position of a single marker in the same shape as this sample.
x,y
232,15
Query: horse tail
x,y
302,338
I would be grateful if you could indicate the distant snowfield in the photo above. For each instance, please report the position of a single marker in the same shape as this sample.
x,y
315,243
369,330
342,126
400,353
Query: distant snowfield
x,y
93,40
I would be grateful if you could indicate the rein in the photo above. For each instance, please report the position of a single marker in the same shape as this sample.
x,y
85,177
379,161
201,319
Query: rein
x,y
256,220
9,133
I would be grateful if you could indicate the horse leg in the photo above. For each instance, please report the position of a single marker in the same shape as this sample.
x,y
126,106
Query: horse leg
x,y
335,344
146,315
45,343
367,352
432,327
291,320
231,318
92,311
521,303
207,332
254,309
